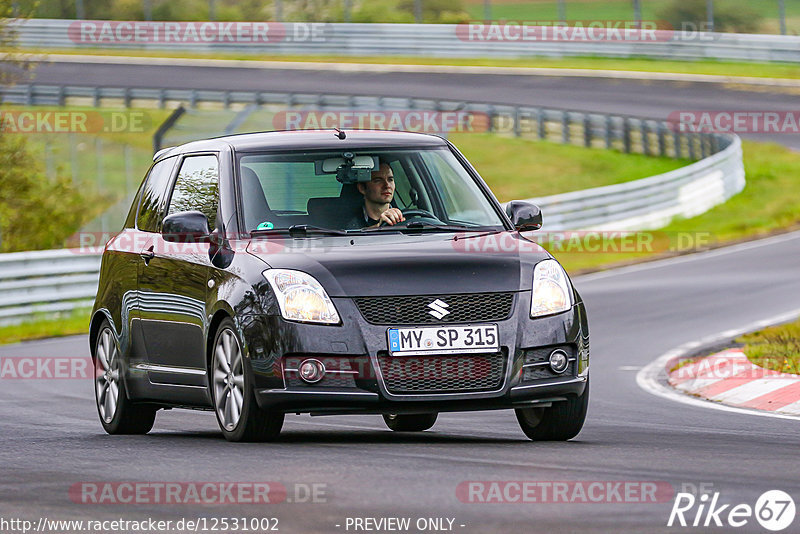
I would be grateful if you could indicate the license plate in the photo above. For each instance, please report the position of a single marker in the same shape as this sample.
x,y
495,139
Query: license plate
x,y
443,340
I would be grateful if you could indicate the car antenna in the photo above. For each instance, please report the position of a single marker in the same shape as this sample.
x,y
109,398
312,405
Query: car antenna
x,y
340,134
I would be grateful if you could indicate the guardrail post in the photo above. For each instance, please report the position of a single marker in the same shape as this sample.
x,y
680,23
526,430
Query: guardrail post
x,y
662,143
587,131
626,135
226,100
193,99
162,98
565,127
645,137
62,99
517,125
677,141
127,97
607,132
96,97
692,139
491,112
541,128
28,95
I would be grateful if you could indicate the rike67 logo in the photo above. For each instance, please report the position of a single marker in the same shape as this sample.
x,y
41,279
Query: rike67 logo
x,y
774,510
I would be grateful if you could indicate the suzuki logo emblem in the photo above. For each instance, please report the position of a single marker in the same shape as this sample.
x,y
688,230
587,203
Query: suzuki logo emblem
x,y
438,308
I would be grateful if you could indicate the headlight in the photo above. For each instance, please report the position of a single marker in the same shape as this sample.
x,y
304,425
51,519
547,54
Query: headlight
x,y
551,289
301,297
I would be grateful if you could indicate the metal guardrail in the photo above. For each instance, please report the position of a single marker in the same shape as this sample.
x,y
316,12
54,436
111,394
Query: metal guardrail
x,y
651,202
47,281
422,40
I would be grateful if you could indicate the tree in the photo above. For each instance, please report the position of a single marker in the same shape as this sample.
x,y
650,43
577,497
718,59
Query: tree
x,y
727,17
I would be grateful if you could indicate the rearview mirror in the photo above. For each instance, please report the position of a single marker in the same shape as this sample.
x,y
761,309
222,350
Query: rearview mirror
x,y
186,227
524,215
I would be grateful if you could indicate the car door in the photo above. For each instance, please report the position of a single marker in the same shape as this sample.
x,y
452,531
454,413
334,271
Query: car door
x,y
151,206
173,282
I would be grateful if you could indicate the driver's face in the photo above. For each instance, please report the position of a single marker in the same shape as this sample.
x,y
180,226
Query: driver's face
x,y
380,190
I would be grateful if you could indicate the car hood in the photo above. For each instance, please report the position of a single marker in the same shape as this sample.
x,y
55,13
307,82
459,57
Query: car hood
x,y
399,264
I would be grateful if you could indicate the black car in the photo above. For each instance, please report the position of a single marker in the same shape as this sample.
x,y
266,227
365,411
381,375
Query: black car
x,y
252,279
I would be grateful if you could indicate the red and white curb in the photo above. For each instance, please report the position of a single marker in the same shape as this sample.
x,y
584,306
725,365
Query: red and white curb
x,y
730,378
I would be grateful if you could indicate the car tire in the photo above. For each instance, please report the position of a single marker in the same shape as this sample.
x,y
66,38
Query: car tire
x,y
232,392
410,422
560,422
118,414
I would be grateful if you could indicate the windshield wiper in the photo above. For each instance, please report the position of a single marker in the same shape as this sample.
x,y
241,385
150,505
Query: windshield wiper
x,y
299,230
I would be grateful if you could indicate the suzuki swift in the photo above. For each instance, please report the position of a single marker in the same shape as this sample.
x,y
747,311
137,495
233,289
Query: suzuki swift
x,y
359,272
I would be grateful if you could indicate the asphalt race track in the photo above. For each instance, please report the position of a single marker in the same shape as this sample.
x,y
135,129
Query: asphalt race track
x,y
52,439
649,99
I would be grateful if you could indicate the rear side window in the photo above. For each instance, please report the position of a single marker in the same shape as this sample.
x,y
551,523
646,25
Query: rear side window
x,y
197,188
154,195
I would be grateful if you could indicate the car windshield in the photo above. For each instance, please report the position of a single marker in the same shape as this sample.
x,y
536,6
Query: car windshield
x,y
317,191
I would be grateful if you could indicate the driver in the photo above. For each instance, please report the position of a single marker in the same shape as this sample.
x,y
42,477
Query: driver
x,y
378,194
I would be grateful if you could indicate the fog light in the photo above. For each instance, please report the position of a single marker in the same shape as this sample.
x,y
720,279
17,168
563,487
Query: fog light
x,y
559,361
312,371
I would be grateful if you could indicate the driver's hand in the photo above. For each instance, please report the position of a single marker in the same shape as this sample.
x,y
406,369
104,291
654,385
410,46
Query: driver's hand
x,y
392,216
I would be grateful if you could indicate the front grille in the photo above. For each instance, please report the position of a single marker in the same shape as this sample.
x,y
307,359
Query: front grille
x,y
453,373
415,310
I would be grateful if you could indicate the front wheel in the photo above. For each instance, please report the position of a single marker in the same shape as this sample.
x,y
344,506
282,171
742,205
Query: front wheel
x,y
560,422
238,414
118,414
410,422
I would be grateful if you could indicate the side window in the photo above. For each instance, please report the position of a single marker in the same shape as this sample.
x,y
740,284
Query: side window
x,y
154,195
197,187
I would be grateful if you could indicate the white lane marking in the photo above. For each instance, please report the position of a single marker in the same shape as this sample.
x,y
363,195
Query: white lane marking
x,y
655,264
651,377
415,68
751,390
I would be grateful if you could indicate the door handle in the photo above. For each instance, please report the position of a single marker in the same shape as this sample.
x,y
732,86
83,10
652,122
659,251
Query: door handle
x,y
147,255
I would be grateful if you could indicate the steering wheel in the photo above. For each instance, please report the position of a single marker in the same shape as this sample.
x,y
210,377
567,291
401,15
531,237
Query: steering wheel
x,y
419,213
413,213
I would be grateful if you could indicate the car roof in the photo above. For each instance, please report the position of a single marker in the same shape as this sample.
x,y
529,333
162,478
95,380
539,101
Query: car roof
x,y
307,139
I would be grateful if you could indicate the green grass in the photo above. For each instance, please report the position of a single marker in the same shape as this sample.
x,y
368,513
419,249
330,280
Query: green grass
x,y
76,322
519,168
776,347
708,67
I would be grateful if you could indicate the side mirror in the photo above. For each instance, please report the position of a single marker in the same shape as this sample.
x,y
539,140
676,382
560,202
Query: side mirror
x,y
524,215
186,227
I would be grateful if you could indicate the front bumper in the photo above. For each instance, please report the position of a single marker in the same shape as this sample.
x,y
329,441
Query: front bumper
x,y
358,384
